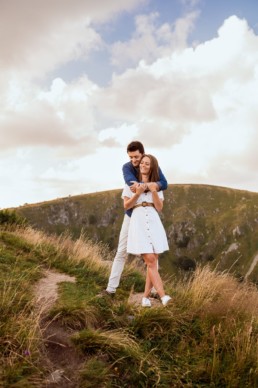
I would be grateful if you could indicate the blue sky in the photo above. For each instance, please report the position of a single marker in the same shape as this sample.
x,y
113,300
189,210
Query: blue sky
x,y
80,80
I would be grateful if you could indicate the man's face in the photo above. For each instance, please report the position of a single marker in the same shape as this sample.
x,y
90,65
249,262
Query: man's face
x,y
135,157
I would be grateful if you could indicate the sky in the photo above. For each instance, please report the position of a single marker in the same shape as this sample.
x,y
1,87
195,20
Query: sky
x,y
81,79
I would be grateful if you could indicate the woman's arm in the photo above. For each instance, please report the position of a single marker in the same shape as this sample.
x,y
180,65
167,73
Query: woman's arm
x,y
130,202
158,202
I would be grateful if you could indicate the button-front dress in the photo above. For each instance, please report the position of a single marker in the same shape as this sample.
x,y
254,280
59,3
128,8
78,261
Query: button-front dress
x,y
146,232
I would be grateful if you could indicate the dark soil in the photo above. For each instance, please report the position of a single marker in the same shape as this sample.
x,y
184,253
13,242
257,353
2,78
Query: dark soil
x,y
63,360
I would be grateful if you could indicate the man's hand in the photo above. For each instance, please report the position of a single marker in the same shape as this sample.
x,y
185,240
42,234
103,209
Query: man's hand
x,y
133,187
153,186
141,187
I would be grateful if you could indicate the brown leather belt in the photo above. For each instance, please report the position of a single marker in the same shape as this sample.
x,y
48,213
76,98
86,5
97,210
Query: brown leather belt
x,y
144,204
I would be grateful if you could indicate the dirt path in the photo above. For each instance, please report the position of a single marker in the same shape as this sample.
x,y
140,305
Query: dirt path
x,y
60,357
46,289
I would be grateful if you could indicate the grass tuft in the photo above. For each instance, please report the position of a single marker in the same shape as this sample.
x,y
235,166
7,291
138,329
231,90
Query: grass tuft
x,y
76,318
116,343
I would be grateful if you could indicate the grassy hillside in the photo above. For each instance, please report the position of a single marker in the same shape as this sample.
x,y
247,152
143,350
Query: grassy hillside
x,y
205,224
206,337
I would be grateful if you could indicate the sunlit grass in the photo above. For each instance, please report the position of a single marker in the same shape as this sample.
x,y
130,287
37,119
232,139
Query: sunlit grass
x,y
96,256
20,334
207,336
210,287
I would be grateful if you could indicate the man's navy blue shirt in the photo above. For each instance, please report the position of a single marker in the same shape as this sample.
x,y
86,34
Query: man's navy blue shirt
x,y
130,174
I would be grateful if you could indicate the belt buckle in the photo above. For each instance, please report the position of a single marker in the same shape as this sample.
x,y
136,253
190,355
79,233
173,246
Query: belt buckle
x,y
144,203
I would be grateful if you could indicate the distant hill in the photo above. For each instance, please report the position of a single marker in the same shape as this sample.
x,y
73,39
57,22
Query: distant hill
x,y
204,224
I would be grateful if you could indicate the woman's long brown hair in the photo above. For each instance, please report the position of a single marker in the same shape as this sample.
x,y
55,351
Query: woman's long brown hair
x,y
154,168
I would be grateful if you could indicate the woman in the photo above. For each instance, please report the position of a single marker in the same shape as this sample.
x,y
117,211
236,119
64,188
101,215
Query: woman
x,y
146,235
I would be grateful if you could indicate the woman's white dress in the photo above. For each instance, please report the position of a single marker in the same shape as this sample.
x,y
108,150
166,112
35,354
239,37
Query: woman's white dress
x,y
146,232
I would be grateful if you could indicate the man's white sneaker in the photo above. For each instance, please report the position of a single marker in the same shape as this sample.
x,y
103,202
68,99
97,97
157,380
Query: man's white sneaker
x,y
146,302
165,299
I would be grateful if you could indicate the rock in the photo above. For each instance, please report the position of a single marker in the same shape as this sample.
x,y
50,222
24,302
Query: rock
x,y
186,263
237,232
55,377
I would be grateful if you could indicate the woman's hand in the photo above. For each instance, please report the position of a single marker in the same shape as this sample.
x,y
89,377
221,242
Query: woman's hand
x,y
158,202
130,202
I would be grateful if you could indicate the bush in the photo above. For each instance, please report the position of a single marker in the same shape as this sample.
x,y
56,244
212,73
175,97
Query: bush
x,y
10,217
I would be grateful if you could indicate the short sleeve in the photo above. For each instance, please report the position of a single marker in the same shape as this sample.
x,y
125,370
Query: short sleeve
x,y
127,192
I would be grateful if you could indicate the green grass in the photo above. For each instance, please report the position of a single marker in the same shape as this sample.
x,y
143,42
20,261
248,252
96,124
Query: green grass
x,y
207,337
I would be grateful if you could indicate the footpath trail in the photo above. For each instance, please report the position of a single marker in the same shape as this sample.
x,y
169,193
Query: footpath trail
x,y
61,358
46,290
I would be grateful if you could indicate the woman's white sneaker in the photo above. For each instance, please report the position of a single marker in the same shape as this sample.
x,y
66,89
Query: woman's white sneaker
x,y
165,299
146,302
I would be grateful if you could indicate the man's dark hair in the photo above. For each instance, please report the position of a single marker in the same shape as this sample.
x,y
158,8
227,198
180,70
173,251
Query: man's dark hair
x,y
135,146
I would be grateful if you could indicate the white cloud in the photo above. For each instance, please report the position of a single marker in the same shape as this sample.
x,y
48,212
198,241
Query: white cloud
x,y
60,118
139,94
37,36
118,136
190,3
151,40
194,108
187,87
200,104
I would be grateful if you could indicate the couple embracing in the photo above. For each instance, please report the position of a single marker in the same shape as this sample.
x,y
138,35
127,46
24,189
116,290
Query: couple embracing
x,y
142,232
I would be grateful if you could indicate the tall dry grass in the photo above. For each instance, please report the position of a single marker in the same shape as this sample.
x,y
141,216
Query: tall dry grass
x,y
219,290
20,332
227,315
96,255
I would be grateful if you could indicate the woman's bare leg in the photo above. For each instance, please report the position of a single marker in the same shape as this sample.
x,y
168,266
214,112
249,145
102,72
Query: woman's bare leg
x,y
148,285
152,277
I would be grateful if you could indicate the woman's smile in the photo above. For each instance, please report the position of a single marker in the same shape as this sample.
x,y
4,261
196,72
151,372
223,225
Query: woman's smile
x,y
145,165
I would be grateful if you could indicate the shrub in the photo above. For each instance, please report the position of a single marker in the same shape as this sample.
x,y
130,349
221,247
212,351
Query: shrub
x,y
10,217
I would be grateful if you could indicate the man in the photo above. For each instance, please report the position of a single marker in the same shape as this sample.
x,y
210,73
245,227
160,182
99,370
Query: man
x,y
135,150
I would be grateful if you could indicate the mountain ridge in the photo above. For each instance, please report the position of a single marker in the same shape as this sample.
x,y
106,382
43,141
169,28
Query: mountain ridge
x,y
204,224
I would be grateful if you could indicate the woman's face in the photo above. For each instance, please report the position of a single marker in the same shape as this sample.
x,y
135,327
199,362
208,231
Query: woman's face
x,y
145,165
